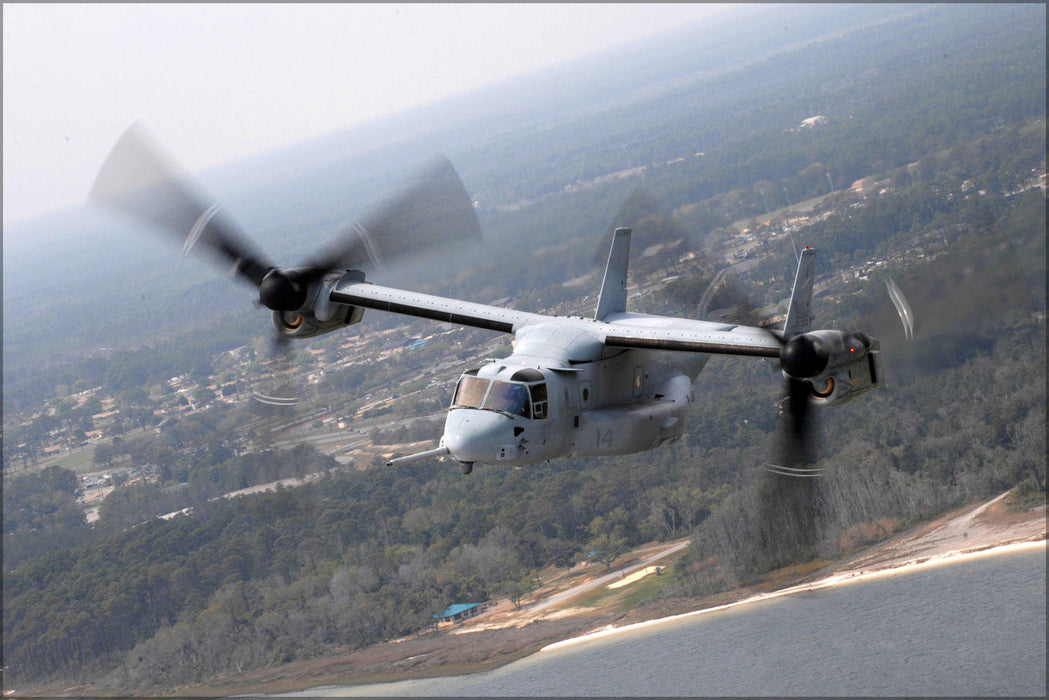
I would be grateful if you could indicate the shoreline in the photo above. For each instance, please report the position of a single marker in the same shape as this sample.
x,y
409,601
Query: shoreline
x,y
505,635
984,529
830,581
531,674
407,686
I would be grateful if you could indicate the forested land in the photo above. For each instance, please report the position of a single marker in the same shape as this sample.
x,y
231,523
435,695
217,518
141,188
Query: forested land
x,y
950,126
359,558
893,94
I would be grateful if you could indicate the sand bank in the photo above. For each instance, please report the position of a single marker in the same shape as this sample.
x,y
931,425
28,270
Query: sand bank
x,y
828,582
986,530
505,634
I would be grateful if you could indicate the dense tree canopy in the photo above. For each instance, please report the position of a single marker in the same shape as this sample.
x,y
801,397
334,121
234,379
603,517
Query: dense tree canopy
x,y
942,116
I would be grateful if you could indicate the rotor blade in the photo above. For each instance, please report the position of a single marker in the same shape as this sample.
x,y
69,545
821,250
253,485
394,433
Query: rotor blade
x,y
956,306
137,179
430,216
902,307
275,400
797,444
805,473
280,391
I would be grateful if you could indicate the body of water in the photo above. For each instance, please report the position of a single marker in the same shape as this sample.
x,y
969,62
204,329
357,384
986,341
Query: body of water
x,y
975,626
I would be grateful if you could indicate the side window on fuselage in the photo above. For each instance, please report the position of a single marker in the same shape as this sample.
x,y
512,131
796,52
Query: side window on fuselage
x,y
539,401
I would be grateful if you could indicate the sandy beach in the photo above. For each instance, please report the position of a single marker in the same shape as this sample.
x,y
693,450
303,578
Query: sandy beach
x,y
986,530
558,618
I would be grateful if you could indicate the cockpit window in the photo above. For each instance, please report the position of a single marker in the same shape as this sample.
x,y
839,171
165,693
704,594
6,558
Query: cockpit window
x,y
470,392
511,398
526,400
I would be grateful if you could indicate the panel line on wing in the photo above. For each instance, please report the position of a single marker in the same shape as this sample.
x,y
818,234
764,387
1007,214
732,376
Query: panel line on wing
x,y
703,346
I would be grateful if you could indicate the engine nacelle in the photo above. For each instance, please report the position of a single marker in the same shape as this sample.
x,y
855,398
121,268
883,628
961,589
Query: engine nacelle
x,y
838,365
318,314
848,381
305,324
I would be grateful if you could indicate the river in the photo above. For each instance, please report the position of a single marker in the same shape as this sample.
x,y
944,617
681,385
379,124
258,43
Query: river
x,y
975,626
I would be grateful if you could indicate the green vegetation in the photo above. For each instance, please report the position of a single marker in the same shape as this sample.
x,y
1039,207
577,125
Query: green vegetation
x,y
942,114
358,558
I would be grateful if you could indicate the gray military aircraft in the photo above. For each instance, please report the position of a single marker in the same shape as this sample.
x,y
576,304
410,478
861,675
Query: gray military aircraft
x,y
614,384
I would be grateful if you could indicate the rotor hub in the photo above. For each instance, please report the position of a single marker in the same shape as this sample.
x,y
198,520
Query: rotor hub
x,y
803,357
278,292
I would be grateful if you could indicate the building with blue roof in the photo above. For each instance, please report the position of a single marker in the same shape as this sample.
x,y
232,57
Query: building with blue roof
x,y
458,611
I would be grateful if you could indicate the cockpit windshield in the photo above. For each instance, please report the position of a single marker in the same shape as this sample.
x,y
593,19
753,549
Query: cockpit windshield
x,y
470,392
510,398
519,399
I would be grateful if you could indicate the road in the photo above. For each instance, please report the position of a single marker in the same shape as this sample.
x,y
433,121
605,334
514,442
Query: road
x,y
606,579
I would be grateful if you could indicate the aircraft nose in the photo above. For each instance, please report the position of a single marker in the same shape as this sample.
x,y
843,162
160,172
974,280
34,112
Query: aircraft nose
x,y
479,436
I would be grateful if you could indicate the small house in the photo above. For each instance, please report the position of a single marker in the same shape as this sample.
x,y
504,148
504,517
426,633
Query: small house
x,y
458,612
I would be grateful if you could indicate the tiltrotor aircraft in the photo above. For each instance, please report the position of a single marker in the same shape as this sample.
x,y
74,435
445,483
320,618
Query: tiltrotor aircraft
x,y
614,384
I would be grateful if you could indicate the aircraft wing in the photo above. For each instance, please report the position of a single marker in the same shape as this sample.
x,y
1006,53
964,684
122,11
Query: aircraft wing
x,y
682,335
463,313
622,330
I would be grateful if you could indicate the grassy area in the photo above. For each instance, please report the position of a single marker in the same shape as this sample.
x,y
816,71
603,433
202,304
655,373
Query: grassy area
x,y
626,598
648,588
780,578
799,209
79,461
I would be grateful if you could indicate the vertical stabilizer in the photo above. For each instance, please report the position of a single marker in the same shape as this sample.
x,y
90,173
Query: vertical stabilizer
x,y
799,313
613,287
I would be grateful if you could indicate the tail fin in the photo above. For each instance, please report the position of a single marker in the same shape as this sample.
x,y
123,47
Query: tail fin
x,y
613,287
799,313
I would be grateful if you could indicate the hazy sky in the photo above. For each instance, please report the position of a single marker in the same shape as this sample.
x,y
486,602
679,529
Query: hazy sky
x,y
217,82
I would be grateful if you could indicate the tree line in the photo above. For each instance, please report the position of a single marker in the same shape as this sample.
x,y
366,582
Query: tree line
x,y
358,557
361,557
943,77
122,594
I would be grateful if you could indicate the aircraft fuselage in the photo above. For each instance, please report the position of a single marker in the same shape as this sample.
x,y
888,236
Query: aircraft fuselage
x,y
525,408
